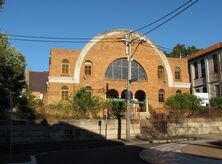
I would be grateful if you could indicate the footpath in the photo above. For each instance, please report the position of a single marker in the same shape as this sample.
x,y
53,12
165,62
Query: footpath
x,y
206,150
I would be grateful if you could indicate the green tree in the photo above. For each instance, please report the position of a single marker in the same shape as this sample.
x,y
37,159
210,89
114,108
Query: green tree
x,y
178,50
216,102
182,50
26,108
183,104
191,50
117,109
1,3
84,103
12,68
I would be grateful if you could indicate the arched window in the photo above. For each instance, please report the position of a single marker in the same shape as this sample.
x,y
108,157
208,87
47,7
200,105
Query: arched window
x,y
89,89
177,74
160,73
161,95
178,91
88,68
65,67
124,94
118,70
140,95
64,93
112,93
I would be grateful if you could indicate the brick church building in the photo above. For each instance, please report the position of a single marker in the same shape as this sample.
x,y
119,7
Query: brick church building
x,y
101,67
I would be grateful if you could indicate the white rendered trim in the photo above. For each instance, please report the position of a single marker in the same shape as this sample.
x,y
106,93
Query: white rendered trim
x,y
89,45
58,79
181,85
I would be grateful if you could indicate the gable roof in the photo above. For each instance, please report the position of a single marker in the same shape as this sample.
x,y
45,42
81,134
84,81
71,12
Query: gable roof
x,y
205,51
37,81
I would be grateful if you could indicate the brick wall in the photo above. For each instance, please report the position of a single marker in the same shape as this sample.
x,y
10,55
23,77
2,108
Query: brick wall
x,y
101,55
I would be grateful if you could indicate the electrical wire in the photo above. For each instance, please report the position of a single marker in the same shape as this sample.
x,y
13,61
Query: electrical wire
x,y
162,17
169,19
157,47
104,40
60,41
58,38
82,41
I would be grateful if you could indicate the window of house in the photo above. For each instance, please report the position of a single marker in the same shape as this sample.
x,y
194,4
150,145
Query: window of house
x,y
160,73
65,67
64,93
217,90
215,63
203,72
178,91
177,74
204,89
196,70
89,90
118,70
161,95
198,90
88,68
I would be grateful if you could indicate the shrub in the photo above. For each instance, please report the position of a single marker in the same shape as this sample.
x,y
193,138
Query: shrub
x,y
61,110
85,104
216,102
117,109
183,104
26,108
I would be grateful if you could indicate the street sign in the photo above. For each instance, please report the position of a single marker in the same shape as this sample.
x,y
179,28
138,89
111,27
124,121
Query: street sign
x,y
204,97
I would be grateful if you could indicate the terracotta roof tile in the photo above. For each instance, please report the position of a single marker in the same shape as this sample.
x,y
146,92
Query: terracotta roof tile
x,y
204,51
37,81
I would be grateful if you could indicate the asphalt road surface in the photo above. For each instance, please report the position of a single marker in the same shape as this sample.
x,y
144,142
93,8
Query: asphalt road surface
x,y
105,155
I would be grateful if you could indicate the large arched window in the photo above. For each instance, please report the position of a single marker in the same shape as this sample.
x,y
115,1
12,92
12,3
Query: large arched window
x,y
118,70
177,74
65,67
160,72
64,93
161,95
88,68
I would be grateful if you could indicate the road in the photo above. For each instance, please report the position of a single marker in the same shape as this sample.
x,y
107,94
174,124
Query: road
x,y
198,152
108,155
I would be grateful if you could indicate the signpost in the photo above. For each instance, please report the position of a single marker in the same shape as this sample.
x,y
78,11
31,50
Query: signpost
x,y
204,97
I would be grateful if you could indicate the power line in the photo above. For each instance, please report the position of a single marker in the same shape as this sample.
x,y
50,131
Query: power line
x,y
76,42
59,38
158,46
98,39
169,19
63,40
161,17
60,41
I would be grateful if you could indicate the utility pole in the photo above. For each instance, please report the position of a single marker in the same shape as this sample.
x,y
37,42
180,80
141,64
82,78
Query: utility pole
x,y
129,57
10,113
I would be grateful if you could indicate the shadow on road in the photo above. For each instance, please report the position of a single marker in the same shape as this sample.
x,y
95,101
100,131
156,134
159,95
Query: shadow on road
x,y
30,137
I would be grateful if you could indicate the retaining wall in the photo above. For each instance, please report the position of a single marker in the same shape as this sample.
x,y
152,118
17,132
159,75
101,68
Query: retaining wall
x,y
195,127
63,130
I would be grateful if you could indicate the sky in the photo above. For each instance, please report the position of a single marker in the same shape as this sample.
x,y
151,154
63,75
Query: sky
x,y
199,25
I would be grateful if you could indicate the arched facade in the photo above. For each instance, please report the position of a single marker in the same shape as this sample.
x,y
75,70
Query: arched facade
x,y
108,64
112,93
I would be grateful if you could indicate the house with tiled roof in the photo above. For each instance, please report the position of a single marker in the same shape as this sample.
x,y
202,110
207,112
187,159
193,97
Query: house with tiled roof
x,y
37,82
205,68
